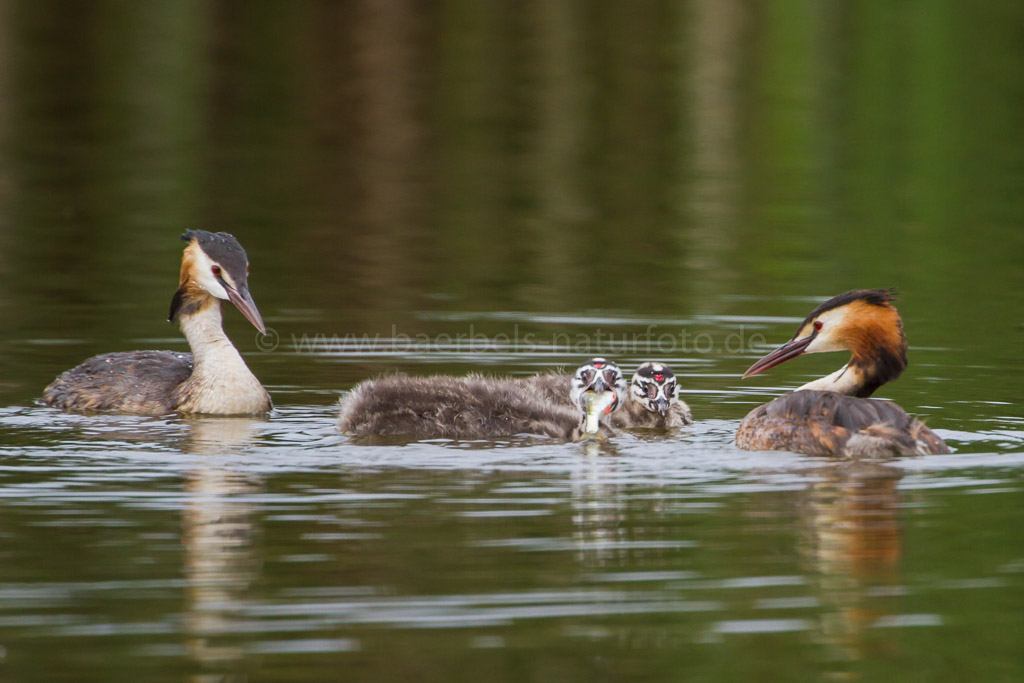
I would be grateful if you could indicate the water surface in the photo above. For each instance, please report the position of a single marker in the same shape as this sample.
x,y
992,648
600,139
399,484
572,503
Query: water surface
x,y
458,187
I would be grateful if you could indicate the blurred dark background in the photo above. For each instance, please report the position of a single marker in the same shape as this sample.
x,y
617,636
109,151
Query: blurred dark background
x,y
383,160
545,167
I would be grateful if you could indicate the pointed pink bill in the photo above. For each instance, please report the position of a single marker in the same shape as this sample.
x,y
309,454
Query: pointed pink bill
x,y
244,303
787,351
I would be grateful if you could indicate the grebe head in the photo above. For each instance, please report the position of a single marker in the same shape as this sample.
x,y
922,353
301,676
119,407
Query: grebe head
x,y
598,388
214,264
654,387
862,321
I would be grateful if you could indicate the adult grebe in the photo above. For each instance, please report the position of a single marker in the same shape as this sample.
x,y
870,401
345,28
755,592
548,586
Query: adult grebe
x,y
213,379
652,402
479,407
832,415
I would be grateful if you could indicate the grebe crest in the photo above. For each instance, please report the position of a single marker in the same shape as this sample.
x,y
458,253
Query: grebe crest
x,y
863,322
213,379
832,415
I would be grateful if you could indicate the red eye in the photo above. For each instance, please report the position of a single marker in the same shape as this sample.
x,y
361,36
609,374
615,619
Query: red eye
x,y
817,324
215,269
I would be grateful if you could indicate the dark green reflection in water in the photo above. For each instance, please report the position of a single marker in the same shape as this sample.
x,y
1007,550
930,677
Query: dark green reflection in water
x,y
382,161
414,167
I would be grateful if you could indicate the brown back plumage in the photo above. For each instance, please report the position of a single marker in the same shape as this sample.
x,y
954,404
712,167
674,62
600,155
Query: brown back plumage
x,y
141,382
827,423
470,407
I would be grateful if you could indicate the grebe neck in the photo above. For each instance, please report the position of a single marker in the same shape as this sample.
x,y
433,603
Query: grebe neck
x,y
221,382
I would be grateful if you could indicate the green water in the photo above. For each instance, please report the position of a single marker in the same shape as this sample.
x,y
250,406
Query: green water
x,y
460,186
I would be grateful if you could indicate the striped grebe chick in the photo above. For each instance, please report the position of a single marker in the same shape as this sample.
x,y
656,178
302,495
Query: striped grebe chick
x,y
833,415
652,401
213,379
480,407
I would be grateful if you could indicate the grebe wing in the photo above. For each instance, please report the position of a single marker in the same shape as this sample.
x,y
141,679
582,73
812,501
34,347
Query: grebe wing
x,y
827,423
140,382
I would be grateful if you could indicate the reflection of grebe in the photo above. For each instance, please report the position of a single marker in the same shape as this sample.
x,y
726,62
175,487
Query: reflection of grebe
x,y
832,415
853,541
217,534
599,534
652,402
213,379
479,407
853,516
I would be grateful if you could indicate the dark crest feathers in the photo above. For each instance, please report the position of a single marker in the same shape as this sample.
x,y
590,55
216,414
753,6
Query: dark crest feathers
x,y
181,304
175,304
886,362
875,297
223,248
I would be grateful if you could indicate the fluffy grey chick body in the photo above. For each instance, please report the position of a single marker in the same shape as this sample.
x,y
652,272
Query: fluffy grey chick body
x,y
476,406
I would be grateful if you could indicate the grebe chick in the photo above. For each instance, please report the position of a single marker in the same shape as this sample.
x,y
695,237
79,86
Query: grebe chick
x,y
479,407
213,379
832,415
652,402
